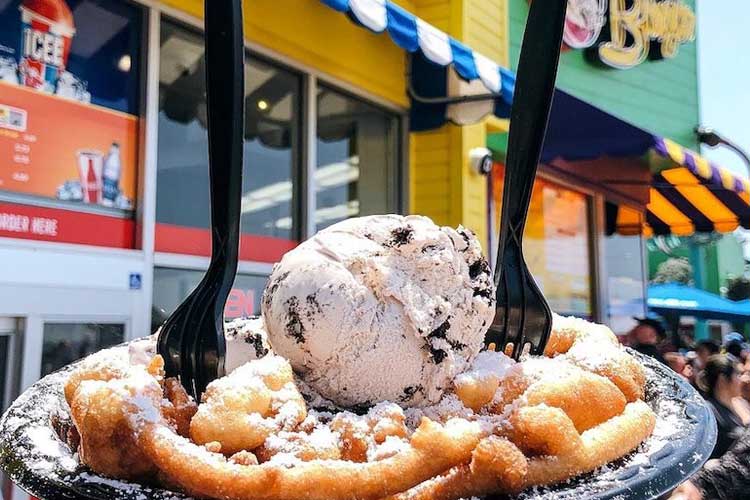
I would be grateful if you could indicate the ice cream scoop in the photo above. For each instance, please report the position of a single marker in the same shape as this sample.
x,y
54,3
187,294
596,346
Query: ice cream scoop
x,y
381,308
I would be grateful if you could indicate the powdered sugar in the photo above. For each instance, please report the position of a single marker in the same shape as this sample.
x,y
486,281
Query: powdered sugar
x,y
388,448
593,354
487,364
50,447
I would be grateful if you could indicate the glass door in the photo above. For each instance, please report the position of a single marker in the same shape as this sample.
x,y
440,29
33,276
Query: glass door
x,y
10,373
66,341
10,359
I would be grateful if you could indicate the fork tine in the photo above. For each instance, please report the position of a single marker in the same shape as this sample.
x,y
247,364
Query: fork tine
x,y
208,351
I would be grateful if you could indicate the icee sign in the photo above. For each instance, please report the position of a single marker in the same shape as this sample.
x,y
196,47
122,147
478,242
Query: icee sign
x,y
46,35
44,47
636,30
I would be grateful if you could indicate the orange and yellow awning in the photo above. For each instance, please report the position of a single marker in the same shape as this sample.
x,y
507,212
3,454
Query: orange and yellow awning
x,y
696,196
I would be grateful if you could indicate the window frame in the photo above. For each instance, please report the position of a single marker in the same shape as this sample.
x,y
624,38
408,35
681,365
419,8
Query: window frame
x,y
595,229
393,177
304,202
602,269
297,150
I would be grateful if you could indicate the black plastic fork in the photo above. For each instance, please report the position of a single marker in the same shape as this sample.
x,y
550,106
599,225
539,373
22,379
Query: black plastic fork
x,y
522,316
192,341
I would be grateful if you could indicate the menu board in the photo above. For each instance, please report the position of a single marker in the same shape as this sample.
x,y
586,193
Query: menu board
x,y
555,244
69,85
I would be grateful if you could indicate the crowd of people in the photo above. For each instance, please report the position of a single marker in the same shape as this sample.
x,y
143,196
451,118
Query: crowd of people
x,y
721,373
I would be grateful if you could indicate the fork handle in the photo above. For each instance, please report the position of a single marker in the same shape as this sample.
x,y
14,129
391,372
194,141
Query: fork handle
x,y
535,87
225,89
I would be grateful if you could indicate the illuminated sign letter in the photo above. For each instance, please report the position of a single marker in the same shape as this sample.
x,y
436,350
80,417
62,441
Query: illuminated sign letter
x,y
624,21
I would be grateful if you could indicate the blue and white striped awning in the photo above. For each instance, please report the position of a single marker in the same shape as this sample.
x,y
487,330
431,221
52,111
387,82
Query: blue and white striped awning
x,y
415,35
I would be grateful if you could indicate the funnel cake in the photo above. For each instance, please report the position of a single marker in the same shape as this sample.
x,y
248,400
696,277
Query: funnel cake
x,y
261,434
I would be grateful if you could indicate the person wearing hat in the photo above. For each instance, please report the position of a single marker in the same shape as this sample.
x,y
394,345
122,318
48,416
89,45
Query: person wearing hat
x,y
734,344
704,350
644,337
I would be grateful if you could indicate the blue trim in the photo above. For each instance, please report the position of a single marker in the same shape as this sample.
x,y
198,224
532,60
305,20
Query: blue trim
x,y
339,5
463,60
508,83
402,27
429,79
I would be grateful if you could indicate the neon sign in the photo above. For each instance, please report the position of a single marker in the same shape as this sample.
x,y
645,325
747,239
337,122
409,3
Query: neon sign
x,y
669,22
637,29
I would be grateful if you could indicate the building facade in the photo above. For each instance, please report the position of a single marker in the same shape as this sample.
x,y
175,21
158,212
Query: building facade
x,y
103,157
104,218
586,266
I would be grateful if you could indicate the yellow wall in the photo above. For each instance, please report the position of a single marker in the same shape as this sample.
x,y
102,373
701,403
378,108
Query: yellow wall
x,y
442,183
311,33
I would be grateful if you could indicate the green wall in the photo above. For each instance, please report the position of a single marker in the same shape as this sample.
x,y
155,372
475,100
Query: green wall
x,y
722,258
658,96
730,260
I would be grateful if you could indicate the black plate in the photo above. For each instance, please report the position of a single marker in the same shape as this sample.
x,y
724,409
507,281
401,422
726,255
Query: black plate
x,y
36,459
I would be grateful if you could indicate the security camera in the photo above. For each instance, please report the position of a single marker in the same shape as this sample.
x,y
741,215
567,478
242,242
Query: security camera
x,y
481,160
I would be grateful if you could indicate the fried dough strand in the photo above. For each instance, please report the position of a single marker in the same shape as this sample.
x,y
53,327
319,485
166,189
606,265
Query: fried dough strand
x,y
497,466
240,411
434,449
543,430
602,444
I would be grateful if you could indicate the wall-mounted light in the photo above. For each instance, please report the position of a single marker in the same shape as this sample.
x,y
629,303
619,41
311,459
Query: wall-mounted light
x,y
125,63
711,138
262,105
481,160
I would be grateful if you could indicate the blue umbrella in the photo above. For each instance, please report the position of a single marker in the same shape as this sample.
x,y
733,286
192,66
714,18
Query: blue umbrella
x,y
688,301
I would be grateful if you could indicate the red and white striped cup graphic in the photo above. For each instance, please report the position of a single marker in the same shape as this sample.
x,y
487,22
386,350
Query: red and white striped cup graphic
x,y
90,171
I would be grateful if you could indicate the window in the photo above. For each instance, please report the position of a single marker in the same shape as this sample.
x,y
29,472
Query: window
x,y
625,267
556,243
356,170
171,286
357,156
272,152
67,342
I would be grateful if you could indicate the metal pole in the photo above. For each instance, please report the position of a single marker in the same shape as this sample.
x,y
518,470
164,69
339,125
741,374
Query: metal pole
x,y
712,139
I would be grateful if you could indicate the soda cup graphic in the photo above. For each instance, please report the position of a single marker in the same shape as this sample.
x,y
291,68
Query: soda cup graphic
x,y
47,31
90,171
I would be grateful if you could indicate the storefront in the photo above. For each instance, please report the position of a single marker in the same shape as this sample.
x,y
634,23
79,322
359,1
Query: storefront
x,y
617,165
103,181
103,154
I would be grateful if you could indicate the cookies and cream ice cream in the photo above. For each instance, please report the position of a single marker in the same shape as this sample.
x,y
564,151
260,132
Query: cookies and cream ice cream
x,y
246,340
381,308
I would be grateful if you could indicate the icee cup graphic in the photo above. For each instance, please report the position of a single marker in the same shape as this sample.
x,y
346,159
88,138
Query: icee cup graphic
x,y
46,36
90,164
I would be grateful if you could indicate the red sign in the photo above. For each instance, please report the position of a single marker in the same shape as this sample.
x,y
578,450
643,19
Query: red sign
x,y
240,303
195,241
65,226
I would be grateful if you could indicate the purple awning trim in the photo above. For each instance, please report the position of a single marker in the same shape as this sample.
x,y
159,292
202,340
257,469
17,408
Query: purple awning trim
x,y
660,146
690,162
